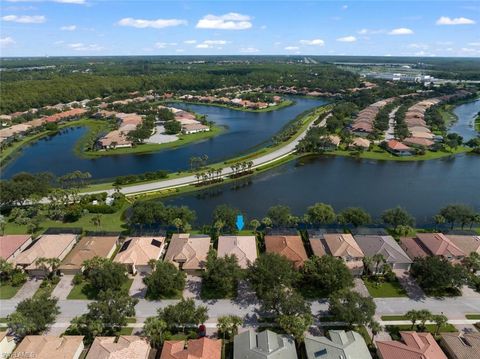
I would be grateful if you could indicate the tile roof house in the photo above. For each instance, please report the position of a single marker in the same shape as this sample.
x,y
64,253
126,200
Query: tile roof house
x,y
398,148
359,142
47,246
50,347
264,345
243,247
7,344
188,253
203,348
12,245
431,244
414,346
463,346
387,246
468,244
340,345
87,248
126,347
290,247
342,246
136,252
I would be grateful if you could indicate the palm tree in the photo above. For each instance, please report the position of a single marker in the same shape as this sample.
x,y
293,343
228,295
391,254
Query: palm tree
x,y
424,315
177,222
228,325
198,176
254,224
378,259
440,320
375,327
412,316
367,264
96,220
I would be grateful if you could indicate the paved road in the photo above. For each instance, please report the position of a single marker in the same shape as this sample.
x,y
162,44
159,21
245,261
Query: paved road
x,y
453,308
187,180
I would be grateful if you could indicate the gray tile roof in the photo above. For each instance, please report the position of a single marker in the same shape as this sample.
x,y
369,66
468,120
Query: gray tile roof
x,y
346,345
385,245
264,345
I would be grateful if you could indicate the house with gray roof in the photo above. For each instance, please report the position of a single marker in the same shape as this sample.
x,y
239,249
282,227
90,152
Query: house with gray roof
x,y
387,246
264,345
341,344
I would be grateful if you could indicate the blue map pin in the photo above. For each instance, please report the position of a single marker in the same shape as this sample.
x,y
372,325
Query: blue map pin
x,y
240,223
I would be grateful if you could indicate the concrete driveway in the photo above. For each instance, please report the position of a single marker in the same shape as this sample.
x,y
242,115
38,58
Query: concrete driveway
x,y
193,286
28,289
360,288
64,287
138,288
408,283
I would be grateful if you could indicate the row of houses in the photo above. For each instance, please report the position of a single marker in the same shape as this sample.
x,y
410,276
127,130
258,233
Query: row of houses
x,y
365,120
7,134
118,138
248,345
232,101
188,120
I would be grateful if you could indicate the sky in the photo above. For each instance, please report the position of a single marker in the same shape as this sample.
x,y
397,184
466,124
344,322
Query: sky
x,y
128,27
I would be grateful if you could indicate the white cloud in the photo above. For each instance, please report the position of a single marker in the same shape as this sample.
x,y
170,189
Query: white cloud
x,y
369,32
190,42
418,46
25,19
344,7
162,45
445,20
314,42
79,46
79,2
347,39
249,50
156,24
474,44
291,48
263,27
230,21
69,28
208,44
6,41
401,31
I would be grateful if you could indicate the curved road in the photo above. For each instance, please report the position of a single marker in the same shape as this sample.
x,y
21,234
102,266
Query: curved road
x,y
188,180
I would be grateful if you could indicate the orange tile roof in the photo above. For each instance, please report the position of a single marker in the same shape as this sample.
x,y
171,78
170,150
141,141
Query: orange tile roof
x,y
203,348
291,247
415,346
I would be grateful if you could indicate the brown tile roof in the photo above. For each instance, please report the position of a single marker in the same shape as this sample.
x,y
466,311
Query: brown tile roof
x,y
439,245
418,141
49,347
468,244
126,347
87,248
138,251
415,346
243,247
203,348
191,251
413,247
341,245
290,247
397,146
464,346
9,244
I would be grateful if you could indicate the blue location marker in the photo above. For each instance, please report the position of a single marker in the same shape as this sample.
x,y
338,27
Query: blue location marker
x,y
240,223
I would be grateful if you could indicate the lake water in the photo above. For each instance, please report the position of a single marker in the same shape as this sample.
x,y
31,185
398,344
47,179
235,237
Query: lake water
x,y
245,131
466,115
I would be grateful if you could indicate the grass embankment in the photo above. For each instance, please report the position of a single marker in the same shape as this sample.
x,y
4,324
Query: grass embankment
x,y
183,140
279,106
384,289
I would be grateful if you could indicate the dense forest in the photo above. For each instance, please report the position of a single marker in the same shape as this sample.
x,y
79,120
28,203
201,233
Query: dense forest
x,y
64,82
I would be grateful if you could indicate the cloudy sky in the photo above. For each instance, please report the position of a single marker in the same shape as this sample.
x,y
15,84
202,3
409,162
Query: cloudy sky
x,y
128,27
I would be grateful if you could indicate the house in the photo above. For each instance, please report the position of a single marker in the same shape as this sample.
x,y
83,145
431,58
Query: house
x,y
47,246
87,248
242,247
128,347
398,148
290,247
415,141
341,344
115,139
387,246
461,346
431,244
50,347
360,143
203,348
7,344
413,346
137,252
342,246
188,253
194,128
12,245
468,244
263,345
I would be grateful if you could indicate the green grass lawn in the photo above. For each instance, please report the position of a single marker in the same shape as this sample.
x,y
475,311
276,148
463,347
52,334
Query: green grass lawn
x,y
125,331
385,289
393,317
394,330
83,290
46,288
7,291
472,316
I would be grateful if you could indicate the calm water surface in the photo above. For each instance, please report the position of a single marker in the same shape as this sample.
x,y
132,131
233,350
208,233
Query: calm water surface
x,y
466,115
245,131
